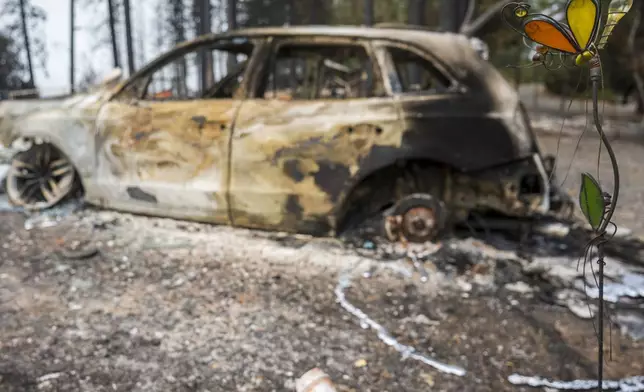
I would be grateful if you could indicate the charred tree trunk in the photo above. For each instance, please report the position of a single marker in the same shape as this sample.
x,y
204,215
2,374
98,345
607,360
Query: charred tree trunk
x,y
292,13
416,12
318,15
128,37
112,22
177,22
141,34
25,35
72,66
203,12
453,14
368,13
639,82
231,17
471,28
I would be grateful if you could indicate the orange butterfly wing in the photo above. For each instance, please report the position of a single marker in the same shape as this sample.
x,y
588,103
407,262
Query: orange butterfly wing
x,y
547,32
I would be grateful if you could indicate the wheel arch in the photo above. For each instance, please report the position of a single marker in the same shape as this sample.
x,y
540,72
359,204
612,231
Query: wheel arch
x,y
379,188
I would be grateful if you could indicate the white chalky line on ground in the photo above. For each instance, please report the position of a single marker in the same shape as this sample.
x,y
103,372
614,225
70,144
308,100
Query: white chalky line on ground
x,y
631,384
344,282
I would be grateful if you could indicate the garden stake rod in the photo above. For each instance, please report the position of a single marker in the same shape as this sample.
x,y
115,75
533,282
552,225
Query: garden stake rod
x,y
596,77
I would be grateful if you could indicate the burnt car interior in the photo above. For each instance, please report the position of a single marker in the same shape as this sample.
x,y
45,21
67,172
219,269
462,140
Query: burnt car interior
x,y
319,71
179,77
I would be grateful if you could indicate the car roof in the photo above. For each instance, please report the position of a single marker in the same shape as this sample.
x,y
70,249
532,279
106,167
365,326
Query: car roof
x,y
404,33
454,49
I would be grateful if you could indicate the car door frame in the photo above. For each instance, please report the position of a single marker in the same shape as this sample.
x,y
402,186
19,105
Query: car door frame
x,y
296,215
133,90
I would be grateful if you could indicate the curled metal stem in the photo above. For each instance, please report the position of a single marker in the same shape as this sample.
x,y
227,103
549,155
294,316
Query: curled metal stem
x,y
596,77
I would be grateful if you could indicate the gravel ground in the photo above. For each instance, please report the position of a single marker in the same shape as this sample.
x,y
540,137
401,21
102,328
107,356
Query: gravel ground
x,y
104,301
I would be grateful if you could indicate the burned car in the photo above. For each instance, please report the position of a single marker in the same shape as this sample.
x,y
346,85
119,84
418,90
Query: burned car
x,y
297,129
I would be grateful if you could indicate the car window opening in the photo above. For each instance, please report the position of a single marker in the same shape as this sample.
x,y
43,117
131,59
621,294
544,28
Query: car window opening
x,y
180,79
416,74
320,72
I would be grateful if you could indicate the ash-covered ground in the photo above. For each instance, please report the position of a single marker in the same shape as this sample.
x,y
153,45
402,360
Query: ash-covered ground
x,y
96,300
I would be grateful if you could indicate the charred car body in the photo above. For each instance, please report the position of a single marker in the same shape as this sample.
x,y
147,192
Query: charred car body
x,y
306,129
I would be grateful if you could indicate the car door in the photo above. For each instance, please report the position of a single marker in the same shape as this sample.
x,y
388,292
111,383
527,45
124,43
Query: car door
x,y
167,149
319,113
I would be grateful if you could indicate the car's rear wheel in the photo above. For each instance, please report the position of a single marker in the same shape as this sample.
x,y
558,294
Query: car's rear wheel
x,y
40,177
418,217
404,199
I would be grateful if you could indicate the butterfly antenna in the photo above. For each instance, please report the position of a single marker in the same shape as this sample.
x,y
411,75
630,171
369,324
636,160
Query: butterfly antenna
x,y
514,3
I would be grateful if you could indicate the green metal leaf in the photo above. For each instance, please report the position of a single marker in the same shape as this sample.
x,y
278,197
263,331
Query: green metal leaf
x,y
591,200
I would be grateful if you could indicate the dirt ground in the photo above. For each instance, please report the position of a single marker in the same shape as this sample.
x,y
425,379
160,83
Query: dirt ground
x,y
103,301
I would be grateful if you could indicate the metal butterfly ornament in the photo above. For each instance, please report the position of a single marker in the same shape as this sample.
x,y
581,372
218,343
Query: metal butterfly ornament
x,y
578,36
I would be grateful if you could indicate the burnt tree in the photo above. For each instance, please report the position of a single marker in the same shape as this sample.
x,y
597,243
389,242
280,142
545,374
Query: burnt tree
x,y
25,35
112,23
72,66
368,13
231,18
128,36
202,14
416,12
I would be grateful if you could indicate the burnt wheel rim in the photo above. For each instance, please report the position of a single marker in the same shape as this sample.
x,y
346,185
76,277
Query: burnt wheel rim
x,y
39,177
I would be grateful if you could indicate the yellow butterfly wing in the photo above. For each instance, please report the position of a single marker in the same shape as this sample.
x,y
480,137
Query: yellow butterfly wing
x,y
616,11
583,19
548,32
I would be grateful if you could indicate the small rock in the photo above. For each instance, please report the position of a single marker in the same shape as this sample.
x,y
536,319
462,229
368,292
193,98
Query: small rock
x,y
368,245
464,285
178,282
553,229
428,378
519,287
360,363
49,376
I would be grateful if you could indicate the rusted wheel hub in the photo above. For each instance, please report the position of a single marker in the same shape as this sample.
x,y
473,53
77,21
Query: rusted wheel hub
x,y
415,218
419,222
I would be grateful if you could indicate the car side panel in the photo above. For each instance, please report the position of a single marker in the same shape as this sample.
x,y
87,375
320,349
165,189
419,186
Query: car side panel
x,y
165,157
292,161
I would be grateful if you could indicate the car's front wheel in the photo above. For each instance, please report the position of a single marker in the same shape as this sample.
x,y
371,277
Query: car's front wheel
x,y
40,177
